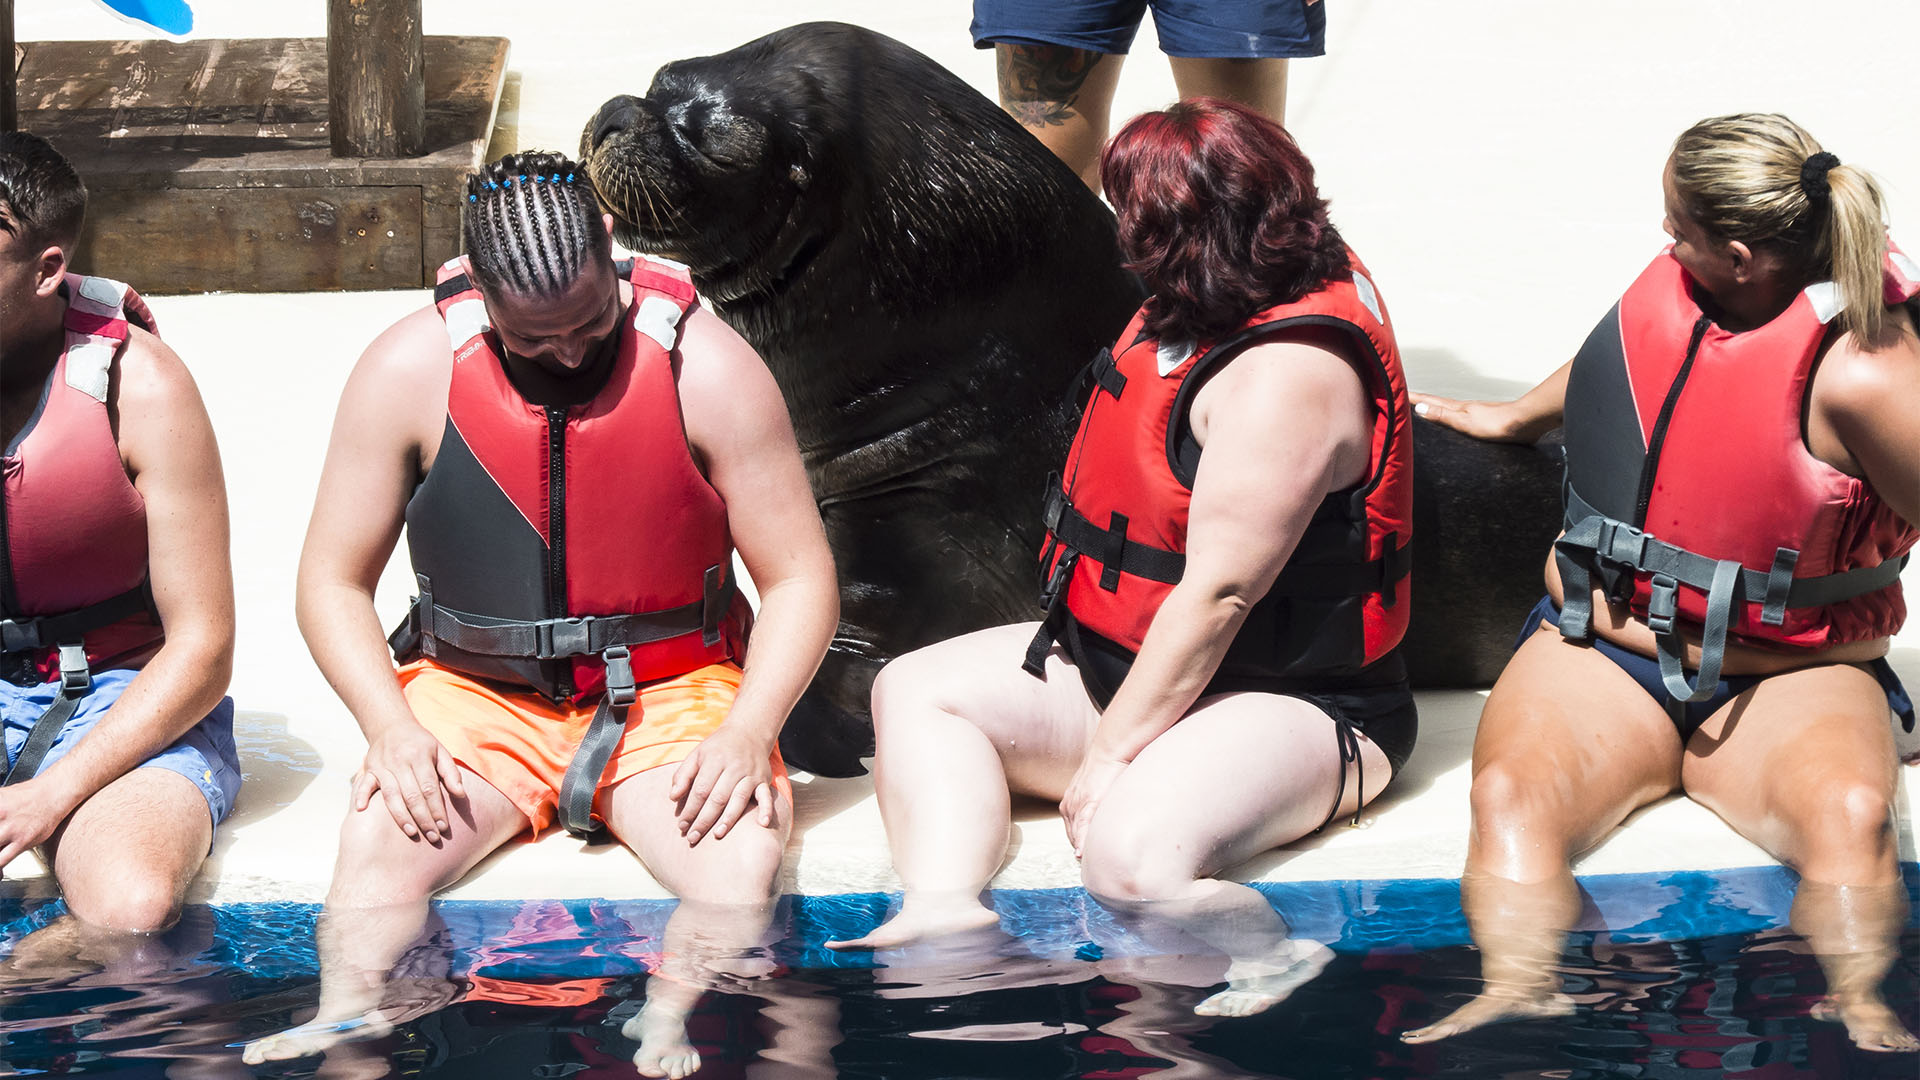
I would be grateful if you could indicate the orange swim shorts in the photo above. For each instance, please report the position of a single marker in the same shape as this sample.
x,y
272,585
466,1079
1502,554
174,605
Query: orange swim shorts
x,y
522,743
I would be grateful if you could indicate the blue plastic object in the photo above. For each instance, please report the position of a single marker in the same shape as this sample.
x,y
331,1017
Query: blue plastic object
x,y
174,18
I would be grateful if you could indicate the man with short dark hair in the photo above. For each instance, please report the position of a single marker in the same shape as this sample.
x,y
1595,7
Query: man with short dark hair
x,y
116,593
574,449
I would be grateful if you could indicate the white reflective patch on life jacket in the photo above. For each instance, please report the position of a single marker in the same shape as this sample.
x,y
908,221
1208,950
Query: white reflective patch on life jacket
x,y
98,296
466,320
1826,300
1368,297
88,361
1909,269
1171,354
658,318
659,260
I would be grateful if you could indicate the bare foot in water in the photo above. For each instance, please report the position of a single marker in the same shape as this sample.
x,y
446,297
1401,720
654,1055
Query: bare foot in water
x,y
1870,1022
1493,1007
402,999
920,922
315,1037
665,1050
1254,986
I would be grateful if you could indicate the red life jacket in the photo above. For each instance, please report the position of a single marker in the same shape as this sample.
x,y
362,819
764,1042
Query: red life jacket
x,y
1691,491
1117,525
73,532
548,542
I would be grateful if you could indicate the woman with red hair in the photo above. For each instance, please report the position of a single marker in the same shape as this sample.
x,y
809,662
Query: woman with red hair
x,y
1226,579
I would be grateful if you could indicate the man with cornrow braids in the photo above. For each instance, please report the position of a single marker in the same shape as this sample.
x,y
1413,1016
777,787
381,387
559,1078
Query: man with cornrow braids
x,y
575,448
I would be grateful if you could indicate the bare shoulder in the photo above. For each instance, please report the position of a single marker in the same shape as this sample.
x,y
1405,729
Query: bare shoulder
x,y
1295,377
722,379
150,379
1860,381
412,354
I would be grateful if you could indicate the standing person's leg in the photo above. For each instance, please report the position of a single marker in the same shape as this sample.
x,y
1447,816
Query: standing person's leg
x,y
727,887
1240,774
1064,96
1236,50
1059,62
1803,765
1258,83
1568,746
958,726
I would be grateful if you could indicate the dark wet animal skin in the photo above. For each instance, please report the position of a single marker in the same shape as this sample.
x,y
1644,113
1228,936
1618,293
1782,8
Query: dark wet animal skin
x,y
925,280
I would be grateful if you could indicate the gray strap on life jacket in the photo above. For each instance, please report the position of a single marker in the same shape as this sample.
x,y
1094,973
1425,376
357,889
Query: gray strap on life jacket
x,y
75,680
1592,537
31,632
585,635
597,746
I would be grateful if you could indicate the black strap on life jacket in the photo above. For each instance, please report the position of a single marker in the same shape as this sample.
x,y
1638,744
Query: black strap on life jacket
x,y
611,637
64,632
1071,534
1596,543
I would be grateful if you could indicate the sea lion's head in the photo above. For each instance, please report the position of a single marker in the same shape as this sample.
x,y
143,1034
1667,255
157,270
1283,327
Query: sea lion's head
x,y
714,166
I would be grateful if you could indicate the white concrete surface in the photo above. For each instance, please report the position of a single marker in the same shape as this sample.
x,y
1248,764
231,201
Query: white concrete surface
x,y
1497,164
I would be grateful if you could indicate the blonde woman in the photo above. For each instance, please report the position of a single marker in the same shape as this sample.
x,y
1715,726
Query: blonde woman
x,y
1743,483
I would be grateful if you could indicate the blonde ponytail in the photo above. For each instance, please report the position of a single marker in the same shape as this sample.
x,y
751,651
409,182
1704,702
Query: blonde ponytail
x,y
1761,179
1857,245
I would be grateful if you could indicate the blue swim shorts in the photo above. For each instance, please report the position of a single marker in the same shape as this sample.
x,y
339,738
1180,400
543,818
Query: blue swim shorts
x,y
204,755
1687,716
1237,29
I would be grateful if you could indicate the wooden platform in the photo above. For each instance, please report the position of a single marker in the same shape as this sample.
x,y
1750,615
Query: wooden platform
x,y
209,165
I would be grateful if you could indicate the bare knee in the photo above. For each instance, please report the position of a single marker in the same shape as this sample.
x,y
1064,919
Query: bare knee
x,y
378,864
1123,871
909,684
744,873
1518,821
1847,836
139,902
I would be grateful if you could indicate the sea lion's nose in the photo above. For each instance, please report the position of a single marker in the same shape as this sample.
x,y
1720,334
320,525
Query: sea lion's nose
x,y
618,114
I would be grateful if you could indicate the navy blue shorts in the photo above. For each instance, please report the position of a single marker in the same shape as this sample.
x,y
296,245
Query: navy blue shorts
x,y
1239,29
1689,715
204,755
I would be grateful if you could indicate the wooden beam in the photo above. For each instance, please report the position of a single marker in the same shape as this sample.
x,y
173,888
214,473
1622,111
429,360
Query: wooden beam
x,y
376,85
9,110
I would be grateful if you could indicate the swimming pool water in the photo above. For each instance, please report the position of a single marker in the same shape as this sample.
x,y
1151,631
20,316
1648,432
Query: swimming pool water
x,y
1697,979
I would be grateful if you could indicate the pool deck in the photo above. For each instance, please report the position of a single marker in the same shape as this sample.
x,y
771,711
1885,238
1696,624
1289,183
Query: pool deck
x,y
1497,164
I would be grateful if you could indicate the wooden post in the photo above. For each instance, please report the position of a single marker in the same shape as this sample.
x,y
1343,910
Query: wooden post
x,y
9,109
376,88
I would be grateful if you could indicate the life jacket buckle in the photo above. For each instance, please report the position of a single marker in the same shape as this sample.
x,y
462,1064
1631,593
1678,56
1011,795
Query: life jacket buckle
x,y
17,636
75,677
1056,506
1057,582
621,690
559,638
1663,604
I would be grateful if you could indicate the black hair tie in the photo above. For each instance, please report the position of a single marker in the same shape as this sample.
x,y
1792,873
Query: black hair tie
x,y
1813,176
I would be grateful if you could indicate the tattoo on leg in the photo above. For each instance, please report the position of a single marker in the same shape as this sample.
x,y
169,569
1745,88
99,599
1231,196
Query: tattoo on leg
x,y
1039,84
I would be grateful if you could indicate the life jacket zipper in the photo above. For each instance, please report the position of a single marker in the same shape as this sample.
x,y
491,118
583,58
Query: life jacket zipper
x,y
557,532
1657,441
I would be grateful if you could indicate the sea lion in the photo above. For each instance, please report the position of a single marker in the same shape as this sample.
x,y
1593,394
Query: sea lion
x,y
1484,516
925,281
923,278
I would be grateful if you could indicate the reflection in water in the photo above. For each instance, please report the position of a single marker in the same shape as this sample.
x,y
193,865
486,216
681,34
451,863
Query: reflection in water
x,y
559,990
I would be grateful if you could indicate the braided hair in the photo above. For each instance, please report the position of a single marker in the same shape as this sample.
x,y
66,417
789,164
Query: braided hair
x,y
532,223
